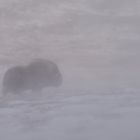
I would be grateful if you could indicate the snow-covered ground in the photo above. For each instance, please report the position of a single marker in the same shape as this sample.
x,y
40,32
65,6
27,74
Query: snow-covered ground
x,y
96,46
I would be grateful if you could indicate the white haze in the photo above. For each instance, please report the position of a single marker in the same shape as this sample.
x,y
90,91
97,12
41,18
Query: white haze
x,y
95,43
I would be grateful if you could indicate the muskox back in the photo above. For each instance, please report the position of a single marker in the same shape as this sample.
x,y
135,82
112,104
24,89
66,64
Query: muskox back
x,y
35,76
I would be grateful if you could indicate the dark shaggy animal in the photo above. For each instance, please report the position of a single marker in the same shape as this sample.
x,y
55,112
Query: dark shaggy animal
x,y
35,76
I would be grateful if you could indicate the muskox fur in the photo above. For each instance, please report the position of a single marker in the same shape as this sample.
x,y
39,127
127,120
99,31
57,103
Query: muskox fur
x,y
37,75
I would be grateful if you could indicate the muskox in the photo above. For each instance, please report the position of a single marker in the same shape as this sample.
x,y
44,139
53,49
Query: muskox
x,y
36,76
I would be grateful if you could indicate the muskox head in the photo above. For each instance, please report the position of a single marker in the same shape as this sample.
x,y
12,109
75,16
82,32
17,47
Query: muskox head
x,y
35,76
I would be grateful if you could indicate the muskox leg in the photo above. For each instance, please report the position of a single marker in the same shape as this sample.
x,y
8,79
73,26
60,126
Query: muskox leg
x,y
6,91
